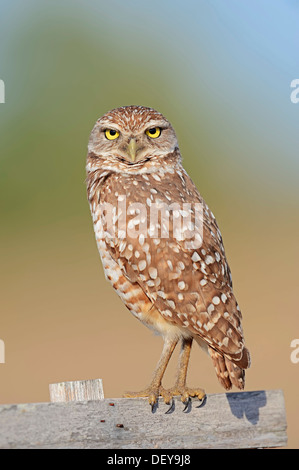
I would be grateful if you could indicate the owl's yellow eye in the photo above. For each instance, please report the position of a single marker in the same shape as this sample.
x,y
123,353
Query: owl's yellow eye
x,y
154,132
111,134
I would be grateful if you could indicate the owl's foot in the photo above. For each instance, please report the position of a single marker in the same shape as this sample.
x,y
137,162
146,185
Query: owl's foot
x,y
152,393
185,393
154,390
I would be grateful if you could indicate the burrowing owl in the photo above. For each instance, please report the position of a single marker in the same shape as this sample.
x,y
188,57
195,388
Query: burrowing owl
x,y
161,247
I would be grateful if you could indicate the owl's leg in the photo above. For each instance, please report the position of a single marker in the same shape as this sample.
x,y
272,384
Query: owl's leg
x,y
154,390
180,387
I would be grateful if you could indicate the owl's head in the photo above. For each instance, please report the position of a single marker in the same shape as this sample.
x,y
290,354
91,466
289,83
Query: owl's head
x,y
132,135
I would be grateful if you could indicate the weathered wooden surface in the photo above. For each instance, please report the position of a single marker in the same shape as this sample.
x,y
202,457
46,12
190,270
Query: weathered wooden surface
x,y
232,420
79,390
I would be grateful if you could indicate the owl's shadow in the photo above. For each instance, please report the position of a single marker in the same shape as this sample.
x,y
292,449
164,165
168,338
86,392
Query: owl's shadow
x,y
241,408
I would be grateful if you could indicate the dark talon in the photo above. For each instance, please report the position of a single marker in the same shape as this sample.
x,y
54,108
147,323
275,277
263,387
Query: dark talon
x,y
203,402
187,404
171,408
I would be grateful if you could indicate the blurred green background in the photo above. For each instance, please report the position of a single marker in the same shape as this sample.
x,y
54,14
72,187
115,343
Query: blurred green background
x,y
221,73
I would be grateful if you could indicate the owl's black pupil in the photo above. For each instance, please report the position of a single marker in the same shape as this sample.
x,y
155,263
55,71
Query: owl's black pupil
x,y
112,132
152,131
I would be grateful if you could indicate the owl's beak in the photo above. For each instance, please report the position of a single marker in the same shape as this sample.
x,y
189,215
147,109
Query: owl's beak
x,y
132,149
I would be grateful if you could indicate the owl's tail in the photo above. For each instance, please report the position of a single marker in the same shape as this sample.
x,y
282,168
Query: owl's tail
x,y
228,372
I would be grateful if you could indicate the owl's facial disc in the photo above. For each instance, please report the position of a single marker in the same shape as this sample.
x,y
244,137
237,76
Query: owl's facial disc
x,y
132,135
